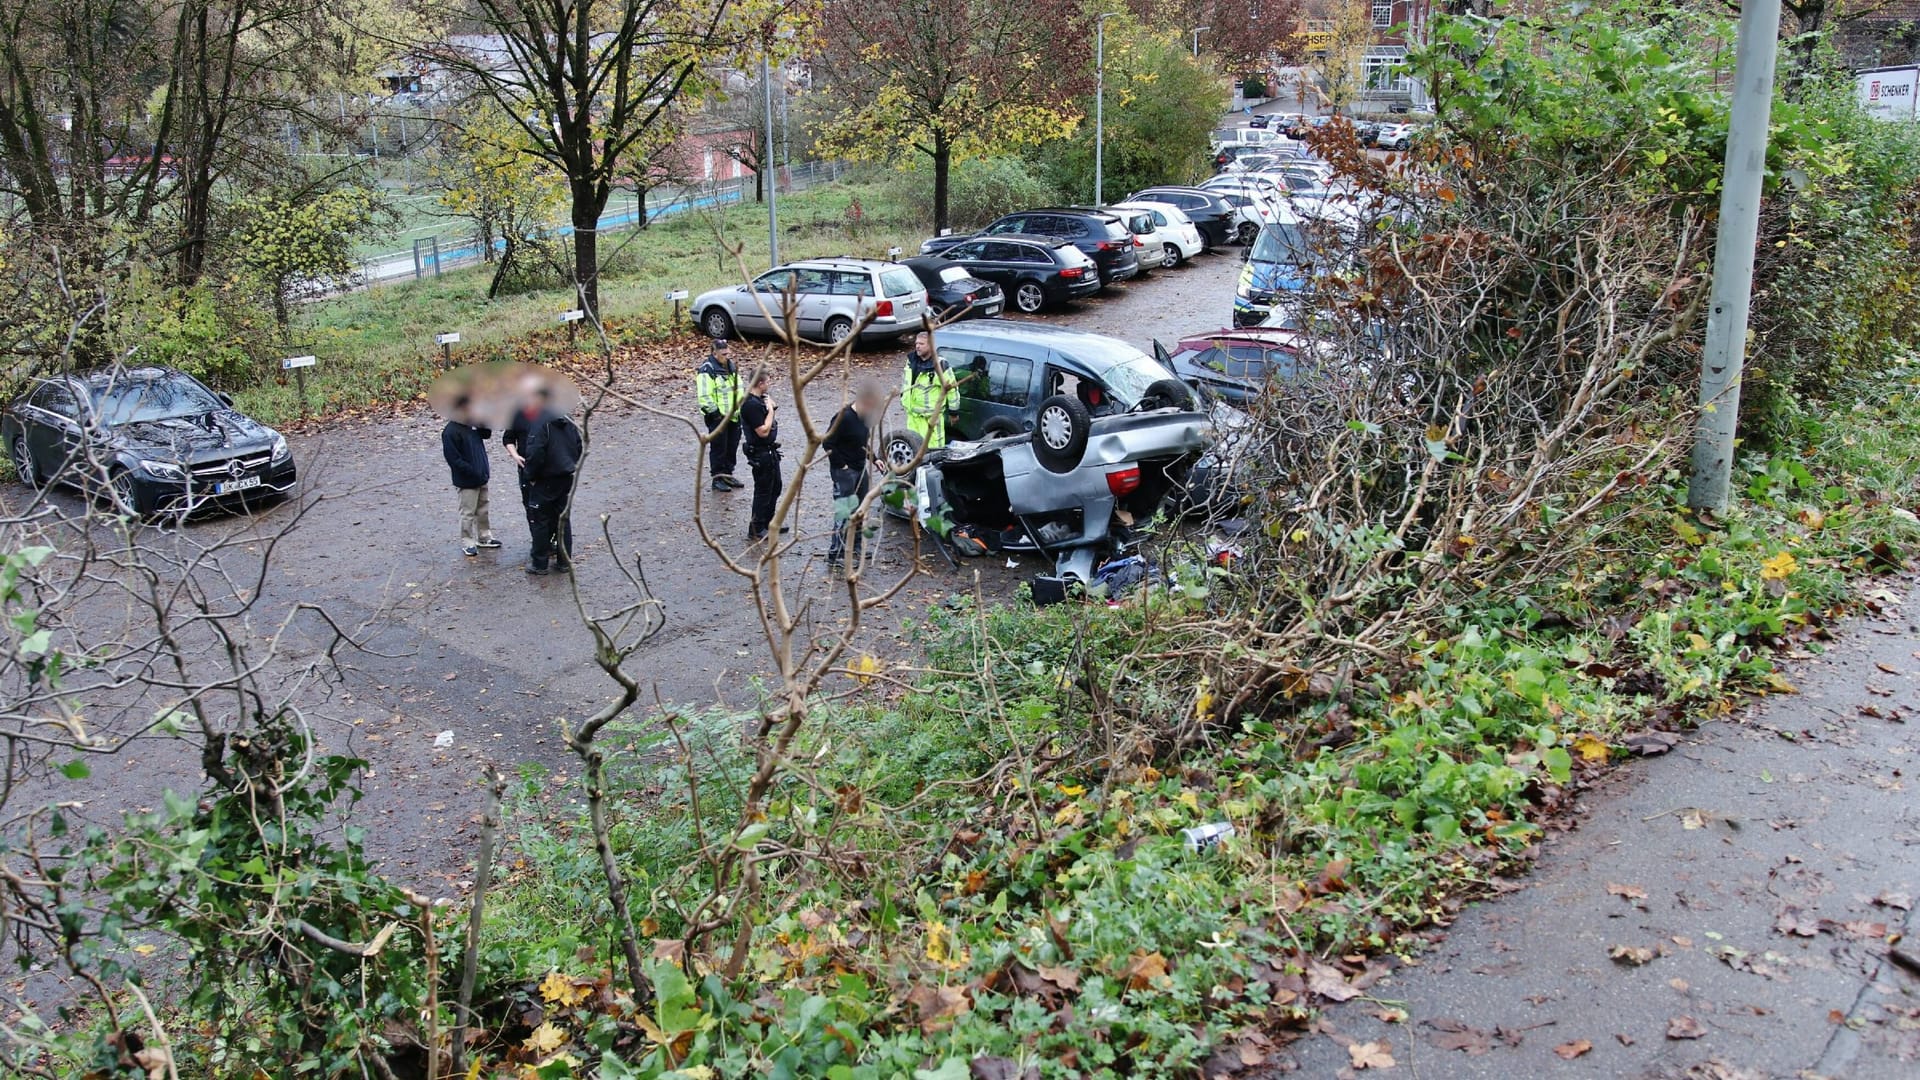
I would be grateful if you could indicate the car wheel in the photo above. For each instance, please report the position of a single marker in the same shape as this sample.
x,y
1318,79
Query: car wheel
x,y
1246,234
23,462
1167,394
902,450
1401,145
838,330
1060,433
124,495
999,428
1172,256
1029,297
717,323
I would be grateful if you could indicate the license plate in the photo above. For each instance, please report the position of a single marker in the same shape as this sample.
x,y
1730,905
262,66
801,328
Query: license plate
x,y
990,309
228,487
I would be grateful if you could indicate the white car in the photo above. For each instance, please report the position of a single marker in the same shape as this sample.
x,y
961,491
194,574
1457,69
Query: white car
x,y
1173,231
832,298
1393,136
1146,243
1256,203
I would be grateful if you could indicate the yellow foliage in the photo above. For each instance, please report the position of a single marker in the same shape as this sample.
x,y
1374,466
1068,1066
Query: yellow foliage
x,y
1779,567
546,1038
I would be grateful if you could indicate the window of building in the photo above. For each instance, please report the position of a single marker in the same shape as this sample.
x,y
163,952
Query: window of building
x,y
1383,13
1387,69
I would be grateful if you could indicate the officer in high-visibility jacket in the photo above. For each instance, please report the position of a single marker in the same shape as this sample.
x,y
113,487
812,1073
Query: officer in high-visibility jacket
x,y
716,386
929,393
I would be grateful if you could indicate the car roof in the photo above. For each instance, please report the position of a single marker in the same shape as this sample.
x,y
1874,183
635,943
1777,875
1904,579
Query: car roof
x,y
1183,188
1086,210
1097,353
837,262
1035,239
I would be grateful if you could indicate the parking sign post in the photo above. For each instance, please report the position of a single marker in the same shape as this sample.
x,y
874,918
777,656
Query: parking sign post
x,y
446,342
299,365
572,319
678,296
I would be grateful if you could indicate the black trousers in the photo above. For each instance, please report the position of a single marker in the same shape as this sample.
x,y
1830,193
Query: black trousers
x,y
849,488
725,447
766,490
549,521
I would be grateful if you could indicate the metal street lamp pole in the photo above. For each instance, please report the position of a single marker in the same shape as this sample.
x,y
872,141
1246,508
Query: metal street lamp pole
x,y
1099,108
1746,167
1196,40
766,158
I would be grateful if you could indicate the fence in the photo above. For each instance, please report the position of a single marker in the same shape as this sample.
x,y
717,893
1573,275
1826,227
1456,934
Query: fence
x,y
451,249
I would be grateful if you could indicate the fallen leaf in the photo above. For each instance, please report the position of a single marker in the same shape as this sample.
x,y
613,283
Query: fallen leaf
x,y
1779,567
1888,668
1633,955
1144,967
1861,928
1649,743
1450,1034
1573,1049
1390,1015
1327,981
1684,1027
1678,984
1693,819
1592,748
1624,1038
1631,892
546,1039
1794,921
1371,1055
1898,900
938,1005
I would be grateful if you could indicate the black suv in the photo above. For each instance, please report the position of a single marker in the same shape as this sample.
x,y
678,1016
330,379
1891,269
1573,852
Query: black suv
x,y
1103,236
1035,271
1211,213
148,439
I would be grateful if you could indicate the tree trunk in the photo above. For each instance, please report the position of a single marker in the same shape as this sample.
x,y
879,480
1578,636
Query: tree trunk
x,y
589,200
942,165
759,181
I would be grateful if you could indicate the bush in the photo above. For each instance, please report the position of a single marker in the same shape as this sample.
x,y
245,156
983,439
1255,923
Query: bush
x,y
982,189
216,337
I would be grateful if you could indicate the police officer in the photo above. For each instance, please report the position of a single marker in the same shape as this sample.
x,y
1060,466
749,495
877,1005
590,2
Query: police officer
x,y
716,385
760,440
928,392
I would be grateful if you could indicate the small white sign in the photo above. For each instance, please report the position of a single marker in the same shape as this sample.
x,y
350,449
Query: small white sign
x,y
892,251
447,339
292,362
572,316
676,294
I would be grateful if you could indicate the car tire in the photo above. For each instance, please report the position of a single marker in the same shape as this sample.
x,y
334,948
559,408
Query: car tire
x,y
902,451
1167,394
999,428
23,461
838,329
716,323
124,495
1173,256
1246,234
1060,431
1029,297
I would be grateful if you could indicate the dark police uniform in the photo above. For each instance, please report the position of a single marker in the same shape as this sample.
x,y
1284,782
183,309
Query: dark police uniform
x,y
763,458
551,445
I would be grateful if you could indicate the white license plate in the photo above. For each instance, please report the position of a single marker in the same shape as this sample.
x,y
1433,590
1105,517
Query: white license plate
x,y
990,309
228,487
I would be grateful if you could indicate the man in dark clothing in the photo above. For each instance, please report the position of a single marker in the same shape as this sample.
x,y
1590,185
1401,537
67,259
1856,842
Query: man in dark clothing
x,y
760,439
465,446
548,448
848,447
716,387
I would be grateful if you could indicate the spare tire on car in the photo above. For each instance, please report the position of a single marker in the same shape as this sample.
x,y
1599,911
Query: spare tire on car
x,y
1167,394
902,450
1060,433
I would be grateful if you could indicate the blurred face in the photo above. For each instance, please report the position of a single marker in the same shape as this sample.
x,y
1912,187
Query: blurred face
x,y
923,344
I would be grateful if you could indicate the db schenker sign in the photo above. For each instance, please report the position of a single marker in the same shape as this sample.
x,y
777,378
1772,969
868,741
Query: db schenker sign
x,y
1888,93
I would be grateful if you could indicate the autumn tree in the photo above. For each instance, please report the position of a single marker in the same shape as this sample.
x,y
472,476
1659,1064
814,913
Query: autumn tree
x,y
952,79
1242,34
1334,38
488,175
289,240
594,83
1161,107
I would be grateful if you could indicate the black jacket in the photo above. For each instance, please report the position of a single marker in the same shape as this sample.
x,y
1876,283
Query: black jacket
x,y
846,441
466,449
552,447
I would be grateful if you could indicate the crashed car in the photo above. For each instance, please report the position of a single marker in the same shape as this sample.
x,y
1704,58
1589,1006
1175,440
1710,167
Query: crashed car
x,y
1065,442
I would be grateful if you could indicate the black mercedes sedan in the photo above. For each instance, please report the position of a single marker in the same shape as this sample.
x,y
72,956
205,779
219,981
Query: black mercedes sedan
x,y
953,290
1035,271
150,440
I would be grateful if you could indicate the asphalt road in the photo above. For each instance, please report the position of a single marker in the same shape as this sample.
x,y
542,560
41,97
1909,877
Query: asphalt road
x,y
476,647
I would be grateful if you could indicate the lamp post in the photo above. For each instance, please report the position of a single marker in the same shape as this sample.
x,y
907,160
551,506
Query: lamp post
x,y
1099,107
1196,40
766,157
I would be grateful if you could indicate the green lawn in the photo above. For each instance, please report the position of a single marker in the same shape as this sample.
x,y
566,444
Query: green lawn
x,y
377,345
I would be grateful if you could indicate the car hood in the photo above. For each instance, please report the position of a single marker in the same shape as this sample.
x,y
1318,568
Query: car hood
x,y
191,438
